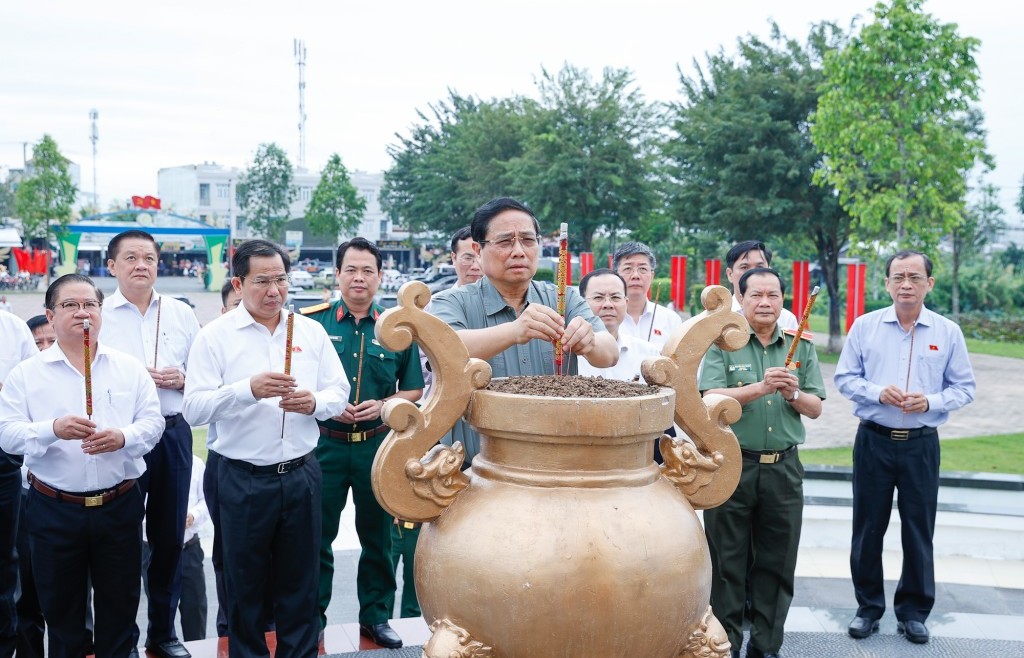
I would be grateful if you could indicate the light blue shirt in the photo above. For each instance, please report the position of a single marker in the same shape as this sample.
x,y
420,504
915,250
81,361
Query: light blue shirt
x,y
879,353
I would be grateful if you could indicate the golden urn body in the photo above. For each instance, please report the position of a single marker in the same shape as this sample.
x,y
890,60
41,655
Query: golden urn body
x,y
565,538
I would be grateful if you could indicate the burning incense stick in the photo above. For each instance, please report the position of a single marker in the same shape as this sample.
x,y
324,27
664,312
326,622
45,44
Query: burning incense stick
x,y
88,369
290,333
800,329
563,275
156,344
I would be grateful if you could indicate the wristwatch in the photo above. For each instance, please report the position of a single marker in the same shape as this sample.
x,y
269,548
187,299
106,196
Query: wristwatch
x,y
796,395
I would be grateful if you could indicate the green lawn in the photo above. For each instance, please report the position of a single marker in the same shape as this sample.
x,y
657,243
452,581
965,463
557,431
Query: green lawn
x,y
819,325
199,442
1003,453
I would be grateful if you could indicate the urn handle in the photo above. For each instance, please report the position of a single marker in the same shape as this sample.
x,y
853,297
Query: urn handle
x,y
708,471
413,477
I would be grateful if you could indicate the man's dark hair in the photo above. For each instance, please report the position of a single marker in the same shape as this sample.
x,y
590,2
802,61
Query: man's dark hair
x,y
744,247
225,290
599,272
485,213
360,244
115,243
908,253
459,236
257,249
36,321
50,300
760,270
632,249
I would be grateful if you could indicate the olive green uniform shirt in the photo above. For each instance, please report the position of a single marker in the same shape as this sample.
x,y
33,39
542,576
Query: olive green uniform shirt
x,y
769,422
374,372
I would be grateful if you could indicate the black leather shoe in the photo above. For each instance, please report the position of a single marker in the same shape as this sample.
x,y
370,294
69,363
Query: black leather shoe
x,y
382,635
914,631
169,649
861,627
754,652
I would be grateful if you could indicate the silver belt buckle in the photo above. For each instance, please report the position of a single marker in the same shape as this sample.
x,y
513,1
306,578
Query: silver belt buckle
x,y
281,470
769,459
899,435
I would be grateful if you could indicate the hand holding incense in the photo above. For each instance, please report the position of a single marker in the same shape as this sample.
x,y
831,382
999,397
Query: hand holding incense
x,y
290,333
800,329
563,274
88,369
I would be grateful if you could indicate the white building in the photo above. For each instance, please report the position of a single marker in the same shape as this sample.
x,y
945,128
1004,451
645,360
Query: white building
x,y
207,192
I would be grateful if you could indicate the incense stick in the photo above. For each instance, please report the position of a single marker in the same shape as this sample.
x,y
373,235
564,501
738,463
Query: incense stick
x,y
156,344
563,271
88,369
288,355
800,329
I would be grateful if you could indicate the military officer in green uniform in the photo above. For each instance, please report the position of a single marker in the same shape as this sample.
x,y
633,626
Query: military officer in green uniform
x,y
349,442
761,521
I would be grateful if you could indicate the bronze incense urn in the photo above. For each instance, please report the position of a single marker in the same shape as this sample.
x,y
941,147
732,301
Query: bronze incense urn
x,y
565,538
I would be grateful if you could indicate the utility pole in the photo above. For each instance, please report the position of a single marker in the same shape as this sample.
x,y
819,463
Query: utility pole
x,y
299,47
94,136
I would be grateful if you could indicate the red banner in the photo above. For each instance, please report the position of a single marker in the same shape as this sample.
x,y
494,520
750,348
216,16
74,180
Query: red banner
x,y
801,286
146,202
586,263
856,276
678,275
712,271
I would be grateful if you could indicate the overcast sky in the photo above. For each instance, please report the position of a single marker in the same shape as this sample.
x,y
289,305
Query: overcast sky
x,y
192,81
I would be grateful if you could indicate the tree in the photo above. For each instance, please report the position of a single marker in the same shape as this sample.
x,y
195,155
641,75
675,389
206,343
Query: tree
x,y
741,159
890,123
1020,198
454,160
982,221
336,206
266,192
6,200
47,193
589,157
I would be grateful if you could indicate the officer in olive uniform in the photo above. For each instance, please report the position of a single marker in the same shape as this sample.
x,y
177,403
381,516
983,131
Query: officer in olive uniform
x,y
765,512
349,442
404,535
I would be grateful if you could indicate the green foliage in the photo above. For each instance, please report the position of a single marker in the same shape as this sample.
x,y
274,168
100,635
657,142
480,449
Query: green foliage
x,y
336,206
265,192
1002,453
7,208
455,160
47,193
742,160
588,157
544,274
893,124
979,226
984,287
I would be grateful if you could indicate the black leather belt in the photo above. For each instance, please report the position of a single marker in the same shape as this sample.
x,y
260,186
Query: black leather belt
x,y
96,499
273,469
171,421
407,525
353,437
768,456
899,434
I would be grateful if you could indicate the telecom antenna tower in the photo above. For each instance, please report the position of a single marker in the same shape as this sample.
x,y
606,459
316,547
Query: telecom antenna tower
x,y
94,136
300,59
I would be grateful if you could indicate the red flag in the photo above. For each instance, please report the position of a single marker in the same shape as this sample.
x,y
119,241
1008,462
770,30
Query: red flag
x,y
138,202
152,202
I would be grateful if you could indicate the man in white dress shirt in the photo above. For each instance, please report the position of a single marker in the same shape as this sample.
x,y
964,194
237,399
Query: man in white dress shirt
x,y
268,483
16,345
158,331
605,291
645,319
750,255
84,511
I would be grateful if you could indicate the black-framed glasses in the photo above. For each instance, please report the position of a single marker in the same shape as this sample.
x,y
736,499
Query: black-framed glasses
x,y
72,306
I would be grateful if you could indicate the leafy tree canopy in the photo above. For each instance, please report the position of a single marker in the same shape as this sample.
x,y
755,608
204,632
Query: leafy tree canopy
x,y
265,192
336,206
47,193
891,124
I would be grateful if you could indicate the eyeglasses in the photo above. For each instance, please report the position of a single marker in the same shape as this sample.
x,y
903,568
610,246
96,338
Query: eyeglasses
x,y
90,306
263,282
505,242
468,257
629,270
614,298
916,279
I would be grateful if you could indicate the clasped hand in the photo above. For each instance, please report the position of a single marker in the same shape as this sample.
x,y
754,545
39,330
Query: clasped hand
x,y
94,442
544,323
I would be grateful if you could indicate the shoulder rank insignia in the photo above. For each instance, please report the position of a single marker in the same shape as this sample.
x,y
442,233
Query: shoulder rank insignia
x,y
806,335
309,310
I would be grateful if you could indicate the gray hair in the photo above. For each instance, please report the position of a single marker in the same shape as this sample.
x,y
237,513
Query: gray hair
x,y
631,249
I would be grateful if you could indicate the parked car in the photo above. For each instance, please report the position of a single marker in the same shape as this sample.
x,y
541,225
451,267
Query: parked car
x,y
301,278
444,283
325,277
387,299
